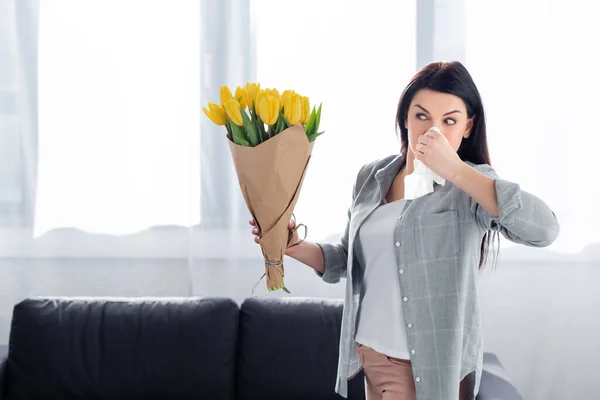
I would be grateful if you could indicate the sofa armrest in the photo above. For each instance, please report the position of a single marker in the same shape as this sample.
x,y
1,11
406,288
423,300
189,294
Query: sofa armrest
x,y
495,384
3,362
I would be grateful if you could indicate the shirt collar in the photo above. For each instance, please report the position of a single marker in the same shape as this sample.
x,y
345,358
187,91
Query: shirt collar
x,y
389,170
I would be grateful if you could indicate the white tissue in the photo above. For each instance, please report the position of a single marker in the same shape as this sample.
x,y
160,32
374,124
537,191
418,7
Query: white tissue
x,y
420,182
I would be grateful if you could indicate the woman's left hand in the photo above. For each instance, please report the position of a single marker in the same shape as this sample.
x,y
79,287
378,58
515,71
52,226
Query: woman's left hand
x,y
434,150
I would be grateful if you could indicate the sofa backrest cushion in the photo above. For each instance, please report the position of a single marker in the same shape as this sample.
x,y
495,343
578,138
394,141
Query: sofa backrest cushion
x,y
112,349
288,349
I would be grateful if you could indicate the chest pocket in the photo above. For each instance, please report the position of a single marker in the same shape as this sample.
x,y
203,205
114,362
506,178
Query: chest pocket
x,y
436,236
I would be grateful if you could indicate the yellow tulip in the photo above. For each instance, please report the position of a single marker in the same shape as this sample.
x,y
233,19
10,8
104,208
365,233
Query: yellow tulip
x,y
225,95
234,112
259,95
305,110
272,92
267,92
268,108
240,95
216,114
285,95
252,90
292,109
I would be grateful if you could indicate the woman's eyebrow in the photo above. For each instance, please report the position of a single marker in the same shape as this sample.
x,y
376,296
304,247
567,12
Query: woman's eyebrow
x,y
448,113
422,108
451,112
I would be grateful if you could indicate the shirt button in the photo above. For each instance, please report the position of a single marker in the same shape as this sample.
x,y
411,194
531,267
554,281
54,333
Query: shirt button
x,y
405,299
413,352
400,217
409,325
401,271
418,379
397,244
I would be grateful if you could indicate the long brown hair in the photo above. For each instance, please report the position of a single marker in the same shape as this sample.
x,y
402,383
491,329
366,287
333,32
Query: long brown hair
x,y
453,78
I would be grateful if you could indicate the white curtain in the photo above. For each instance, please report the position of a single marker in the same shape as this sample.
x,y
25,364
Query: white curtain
x,y
536,64
119,116
119,186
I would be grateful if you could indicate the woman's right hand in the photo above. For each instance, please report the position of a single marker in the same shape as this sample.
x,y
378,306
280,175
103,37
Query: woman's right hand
x,y
291,226
306,252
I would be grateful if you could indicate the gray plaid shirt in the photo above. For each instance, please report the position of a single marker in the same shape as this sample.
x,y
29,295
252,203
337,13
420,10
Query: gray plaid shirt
x,y
437,242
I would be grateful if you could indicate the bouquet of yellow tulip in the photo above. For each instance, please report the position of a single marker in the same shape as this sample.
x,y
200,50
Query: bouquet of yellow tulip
x,y
278,112
271,137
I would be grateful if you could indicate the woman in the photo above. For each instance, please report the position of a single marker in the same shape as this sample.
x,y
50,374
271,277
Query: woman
x,y
411,314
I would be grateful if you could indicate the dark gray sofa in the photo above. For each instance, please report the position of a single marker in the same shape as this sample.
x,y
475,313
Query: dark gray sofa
x,y
184,348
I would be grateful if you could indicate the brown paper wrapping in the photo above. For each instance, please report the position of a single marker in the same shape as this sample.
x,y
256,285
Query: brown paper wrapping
x,y
270,177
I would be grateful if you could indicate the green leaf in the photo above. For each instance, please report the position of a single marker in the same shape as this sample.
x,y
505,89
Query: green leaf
x,y
278,127
318,121
275,127
260,126
286,123
251,131
310,125
316,135
313,125
238,134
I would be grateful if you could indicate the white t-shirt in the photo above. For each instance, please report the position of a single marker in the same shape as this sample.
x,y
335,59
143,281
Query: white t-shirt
x,y
380,315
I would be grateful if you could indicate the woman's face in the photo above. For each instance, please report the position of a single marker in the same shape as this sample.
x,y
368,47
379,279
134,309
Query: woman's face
x,y
442,110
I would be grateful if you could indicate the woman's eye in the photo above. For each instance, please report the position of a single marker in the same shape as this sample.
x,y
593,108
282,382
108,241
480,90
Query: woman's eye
x,y
421,116
450,121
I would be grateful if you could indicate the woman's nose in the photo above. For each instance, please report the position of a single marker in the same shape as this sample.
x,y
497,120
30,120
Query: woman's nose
x,y
435,128
428,127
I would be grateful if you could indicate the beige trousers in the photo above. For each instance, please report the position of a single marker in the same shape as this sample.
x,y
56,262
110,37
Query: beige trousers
x,y
389,378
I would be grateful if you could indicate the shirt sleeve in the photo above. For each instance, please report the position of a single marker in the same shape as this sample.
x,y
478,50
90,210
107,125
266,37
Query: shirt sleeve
x,y
523,218
336,255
